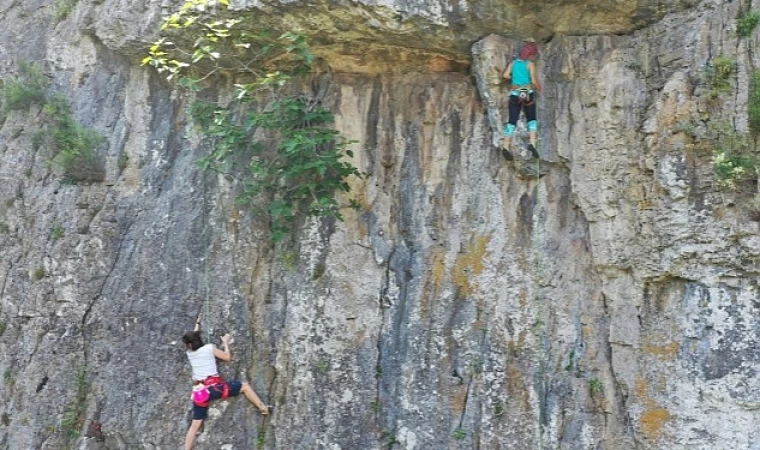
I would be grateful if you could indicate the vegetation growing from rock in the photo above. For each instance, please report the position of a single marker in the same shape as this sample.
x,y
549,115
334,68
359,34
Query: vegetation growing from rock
x,y
73,416
63,9
56,232
733,157
30,88
39,273
595,387
746,23
734,160
718,76
74,146
753,103
294,162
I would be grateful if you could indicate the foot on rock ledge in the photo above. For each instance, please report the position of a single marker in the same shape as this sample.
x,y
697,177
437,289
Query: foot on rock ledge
x,y
533,151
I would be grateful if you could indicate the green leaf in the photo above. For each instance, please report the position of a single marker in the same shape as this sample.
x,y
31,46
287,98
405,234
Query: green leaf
x,y
278,235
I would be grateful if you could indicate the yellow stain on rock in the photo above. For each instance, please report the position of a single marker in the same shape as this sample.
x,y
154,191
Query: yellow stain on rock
x,y
459,399
469,265
439,269
642,389
667,352
653,418
358,193
517,390
652,421
433,281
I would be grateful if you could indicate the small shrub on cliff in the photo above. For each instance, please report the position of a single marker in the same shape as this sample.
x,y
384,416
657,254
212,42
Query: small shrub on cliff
x,y
74,145
389,438
57,232
4,228
294,162
746,23
28,89
39,273
753,103
73,415
261,440
499,410
595,387
718,75
63,9
734,160
687,127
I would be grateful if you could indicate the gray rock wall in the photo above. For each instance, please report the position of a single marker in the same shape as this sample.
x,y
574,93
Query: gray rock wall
x,y
610,304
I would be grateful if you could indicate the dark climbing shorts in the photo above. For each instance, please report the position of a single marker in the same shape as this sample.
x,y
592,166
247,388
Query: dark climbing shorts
x,y
201,412
514,108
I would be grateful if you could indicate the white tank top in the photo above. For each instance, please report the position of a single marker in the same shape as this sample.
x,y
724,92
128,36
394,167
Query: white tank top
x,y
203,362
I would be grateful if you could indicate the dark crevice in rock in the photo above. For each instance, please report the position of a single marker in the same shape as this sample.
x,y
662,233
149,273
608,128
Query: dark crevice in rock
x,y
620,393
373,119
465,401
525,219
382,305
107,277
395,343
6,277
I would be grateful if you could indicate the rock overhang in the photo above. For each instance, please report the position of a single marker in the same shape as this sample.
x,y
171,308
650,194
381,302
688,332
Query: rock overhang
x,y
377,36
436,35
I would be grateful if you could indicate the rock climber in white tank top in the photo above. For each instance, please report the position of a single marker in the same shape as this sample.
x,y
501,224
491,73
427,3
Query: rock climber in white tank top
x,y
206,378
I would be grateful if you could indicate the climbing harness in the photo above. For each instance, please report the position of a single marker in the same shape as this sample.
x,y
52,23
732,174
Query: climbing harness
x,y
202,393
523,95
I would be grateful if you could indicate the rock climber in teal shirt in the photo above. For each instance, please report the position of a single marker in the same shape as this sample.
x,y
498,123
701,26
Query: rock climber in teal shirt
x,y
524,83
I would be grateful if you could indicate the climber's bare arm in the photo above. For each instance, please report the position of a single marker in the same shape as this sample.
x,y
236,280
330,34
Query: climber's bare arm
x,y
534,78
224,354
507,75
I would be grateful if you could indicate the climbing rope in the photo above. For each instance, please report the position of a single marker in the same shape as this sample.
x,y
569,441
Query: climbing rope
x,y
207,294
540,323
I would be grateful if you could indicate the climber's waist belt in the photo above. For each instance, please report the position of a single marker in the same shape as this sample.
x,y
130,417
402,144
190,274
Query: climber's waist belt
x,y
209,380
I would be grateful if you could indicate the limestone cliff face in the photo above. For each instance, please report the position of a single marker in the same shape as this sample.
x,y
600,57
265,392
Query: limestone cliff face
x,y
611,303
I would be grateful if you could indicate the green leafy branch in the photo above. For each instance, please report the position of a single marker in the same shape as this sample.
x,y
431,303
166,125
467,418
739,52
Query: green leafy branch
x,y
295,164
197,44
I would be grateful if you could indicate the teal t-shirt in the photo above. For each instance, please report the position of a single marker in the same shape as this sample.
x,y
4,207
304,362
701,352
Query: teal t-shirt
x,y
520,73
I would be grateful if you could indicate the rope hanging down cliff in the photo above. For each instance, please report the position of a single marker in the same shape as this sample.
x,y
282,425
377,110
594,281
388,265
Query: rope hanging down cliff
x,y
540,324
207,239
